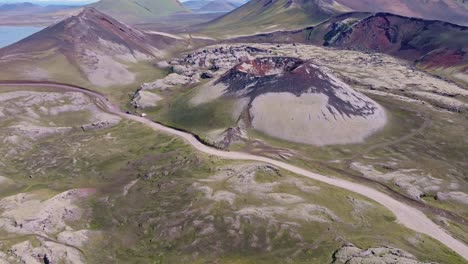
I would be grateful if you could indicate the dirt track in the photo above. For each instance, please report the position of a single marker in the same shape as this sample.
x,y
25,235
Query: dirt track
x,y
406,215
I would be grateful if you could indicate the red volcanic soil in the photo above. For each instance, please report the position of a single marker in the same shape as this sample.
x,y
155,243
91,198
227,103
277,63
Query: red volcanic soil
x,y
386,34
445,10
86,30
403,37
430,43
445,58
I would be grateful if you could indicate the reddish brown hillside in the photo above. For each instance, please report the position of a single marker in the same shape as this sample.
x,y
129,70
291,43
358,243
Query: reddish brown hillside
x,y
430,43
87,29
401,36
445,10
446,58
89,48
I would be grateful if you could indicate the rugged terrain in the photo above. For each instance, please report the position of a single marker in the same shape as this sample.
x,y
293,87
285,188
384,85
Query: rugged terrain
x,y
419,108
90,49
438,47
208,65
96,45
454,11
267,16
335,143
41,223
122,193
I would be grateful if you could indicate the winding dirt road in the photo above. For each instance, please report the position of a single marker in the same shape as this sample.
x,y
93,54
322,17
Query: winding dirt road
x,y
406,215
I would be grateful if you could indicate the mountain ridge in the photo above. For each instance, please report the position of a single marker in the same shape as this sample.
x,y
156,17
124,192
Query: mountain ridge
x,y
138,11
271,15
97,47
437,46
218,6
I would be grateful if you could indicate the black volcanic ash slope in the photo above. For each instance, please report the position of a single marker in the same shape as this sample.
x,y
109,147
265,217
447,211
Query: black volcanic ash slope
x,y
295,100
292,75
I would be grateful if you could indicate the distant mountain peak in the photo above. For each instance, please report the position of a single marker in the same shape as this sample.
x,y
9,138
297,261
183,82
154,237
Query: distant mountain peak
x,y
17,6
134,11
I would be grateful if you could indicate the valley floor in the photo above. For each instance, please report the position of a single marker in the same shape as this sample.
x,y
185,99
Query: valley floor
x,y
406,215
79,174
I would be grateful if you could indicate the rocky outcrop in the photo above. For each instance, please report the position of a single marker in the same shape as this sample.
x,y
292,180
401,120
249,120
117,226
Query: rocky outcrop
x,y
31,214
97,125
458,197
219,58
144,99
433,45
225,138
46,252
31,116
179,77
415,183
350,254
207,63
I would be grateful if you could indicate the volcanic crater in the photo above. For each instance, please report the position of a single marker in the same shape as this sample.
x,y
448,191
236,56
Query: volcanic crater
x,y
296,100
296,76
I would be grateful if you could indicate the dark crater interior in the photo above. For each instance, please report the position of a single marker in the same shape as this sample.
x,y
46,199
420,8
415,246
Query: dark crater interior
x,y
292,75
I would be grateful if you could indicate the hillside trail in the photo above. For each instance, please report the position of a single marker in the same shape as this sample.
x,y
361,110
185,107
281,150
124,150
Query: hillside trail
x,y
406,215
